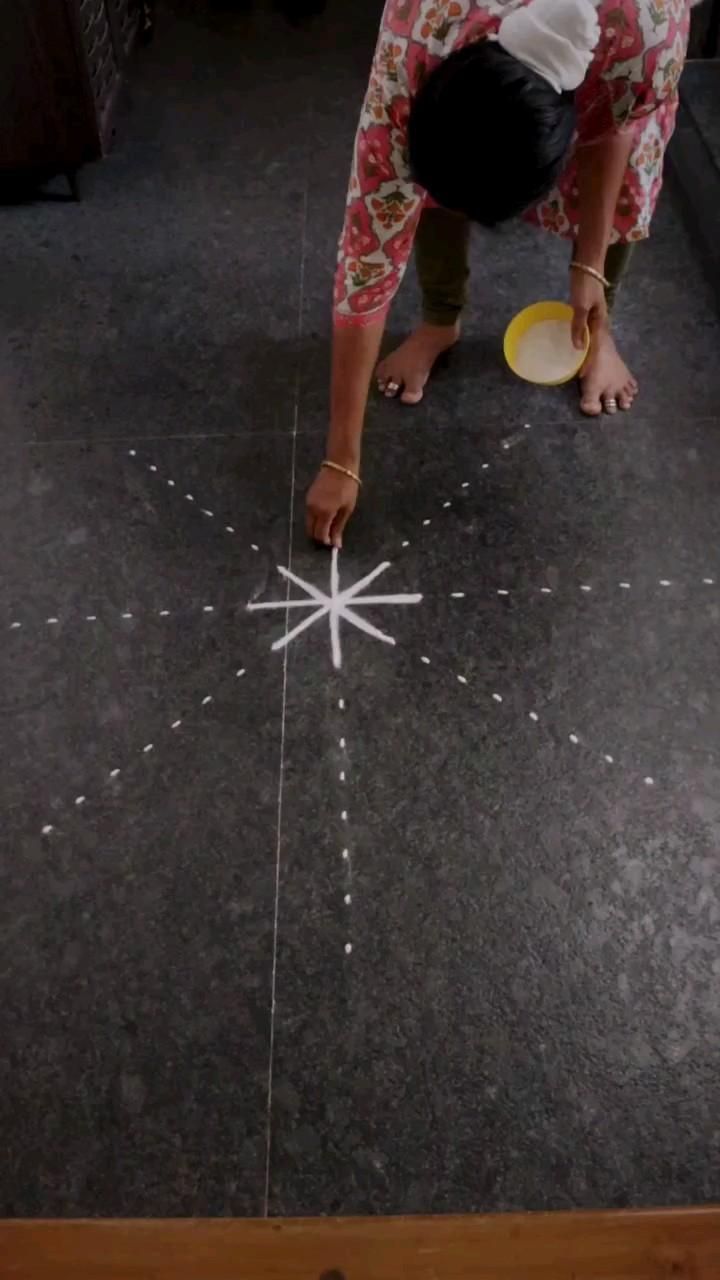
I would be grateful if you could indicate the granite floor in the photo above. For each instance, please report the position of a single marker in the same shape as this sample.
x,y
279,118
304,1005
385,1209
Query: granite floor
x,y
436,928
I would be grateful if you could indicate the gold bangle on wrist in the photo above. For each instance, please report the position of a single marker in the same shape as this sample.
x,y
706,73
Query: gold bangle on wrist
x,y
343,471
590,271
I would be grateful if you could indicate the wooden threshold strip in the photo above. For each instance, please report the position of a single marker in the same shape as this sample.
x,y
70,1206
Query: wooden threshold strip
x,y
677,1244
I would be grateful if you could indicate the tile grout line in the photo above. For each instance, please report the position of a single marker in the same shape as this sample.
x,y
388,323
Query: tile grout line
x,y
278,843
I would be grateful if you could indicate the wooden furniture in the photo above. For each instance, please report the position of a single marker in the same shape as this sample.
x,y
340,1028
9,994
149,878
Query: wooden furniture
x,y
61,63
673,1244
705,30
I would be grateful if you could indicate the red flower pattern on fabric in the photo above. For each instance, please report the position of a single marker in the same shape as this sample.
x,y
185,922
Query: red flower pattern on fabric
x,y
375,164
631,84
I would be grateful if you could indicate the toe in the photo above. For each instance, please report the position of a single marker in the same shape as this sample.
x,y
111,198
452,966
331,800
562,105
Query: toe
x,y
625,400
590,403
610,404
391,389
413,392
411,397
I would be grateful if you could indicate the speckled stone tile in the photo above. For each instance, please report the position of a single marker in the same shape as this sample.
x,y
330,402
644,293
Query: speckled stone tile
x,y
499,927
141,749
436,929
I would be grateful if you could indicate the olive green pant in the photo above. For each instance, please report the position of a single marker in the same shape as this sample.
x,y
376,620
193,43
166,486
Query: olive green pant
x,y
442,258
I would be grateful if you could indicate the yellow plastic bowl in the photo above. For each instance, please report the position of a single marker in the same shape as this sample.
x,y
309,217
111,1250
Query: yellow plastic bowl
x,y
524,321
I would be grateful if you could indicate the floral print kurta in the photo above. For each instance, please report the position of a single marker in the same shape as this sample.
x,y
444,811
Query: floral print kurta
x,y
631,84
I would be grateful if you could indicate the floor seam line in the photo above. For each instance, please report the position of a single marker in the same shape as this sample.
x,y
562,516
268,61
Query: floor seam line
x,y
279,814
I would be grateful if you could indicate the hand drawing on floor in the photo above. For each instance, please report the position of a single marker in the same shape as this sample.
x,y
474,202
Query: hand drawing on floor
x,y
335,606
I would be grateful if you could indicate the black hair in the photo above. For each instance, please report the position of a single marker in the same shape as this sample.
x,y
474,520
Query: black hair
x,y
487,136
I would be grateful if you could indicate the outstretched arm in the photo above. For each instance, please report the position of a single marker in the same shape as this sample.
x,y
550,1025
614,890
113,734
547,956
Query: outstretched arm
x,y
332,497
382,212
601,167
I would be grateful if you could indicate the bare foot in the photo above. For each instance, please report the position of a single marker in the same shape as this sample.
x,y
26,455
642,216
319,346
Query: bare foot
x,y
407,370
606,382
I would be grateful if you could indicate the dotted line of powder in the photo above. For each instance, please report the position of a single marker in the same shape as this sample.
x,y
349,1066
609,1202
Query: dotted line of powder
x,y
125,615
585,587
345,855
79,802
207,609
447,505
189,497
574,739
511,441
508,443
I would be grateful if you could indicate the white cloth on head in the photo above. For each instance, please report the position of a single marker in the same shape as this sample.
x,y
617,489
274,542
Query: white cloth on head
x,y
555,38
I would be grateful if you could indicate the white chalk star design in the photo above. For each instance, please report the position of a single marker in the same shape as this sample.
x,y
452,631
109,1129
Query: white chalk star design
x,y
334,606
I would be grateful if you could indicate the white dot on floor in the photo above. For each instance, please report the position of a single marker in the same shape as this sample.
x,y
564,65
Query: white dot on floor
x,y
239,673
649,782
341,703
189,497
527,426
625,585
425,660
462,679
47,829
91,617
426,522
343,815
148,748
207,699
229,528
546,591
585,587
574,739
486,466
164,613
348,948
152,467
171,484
503,592
457,595
208,608
405,544
497,697
709,582
114,773
466,483
609,759
51,622
176,724
79,800
534,716
127,615
15,626
132,453
254,546
347,899
342,775
447,504
208,513
346,854
342,744
665,582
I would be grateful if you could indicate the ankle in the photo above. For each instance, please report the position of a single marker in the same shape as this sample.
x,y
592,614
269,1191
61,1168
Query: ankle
x,y
439,334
